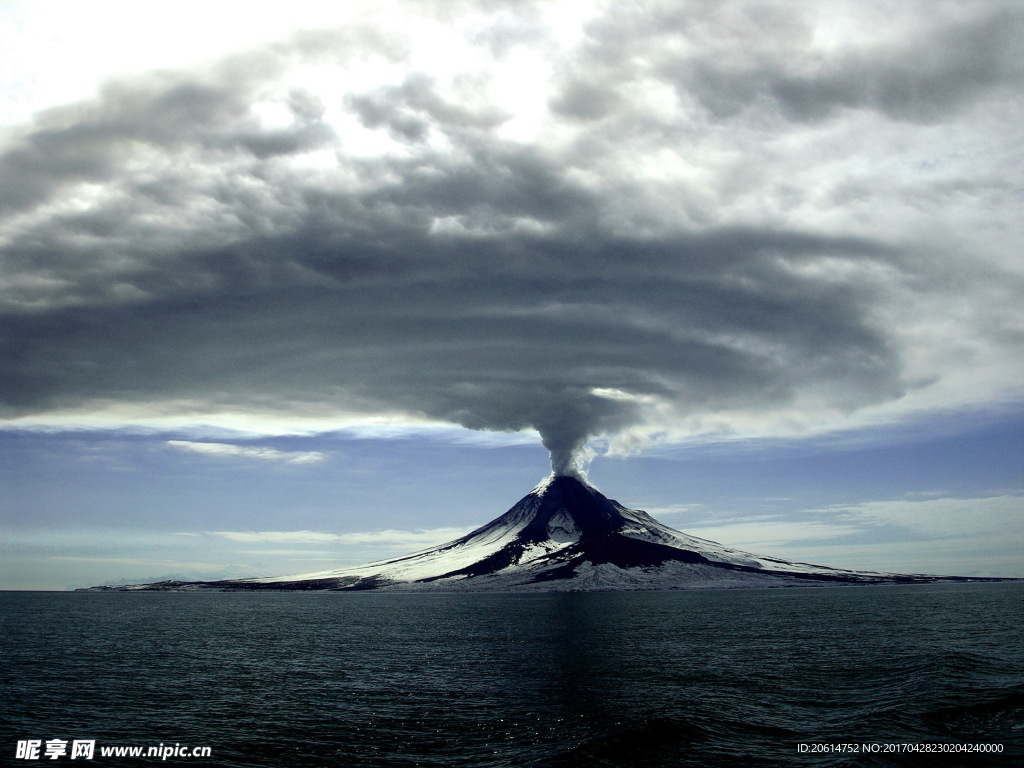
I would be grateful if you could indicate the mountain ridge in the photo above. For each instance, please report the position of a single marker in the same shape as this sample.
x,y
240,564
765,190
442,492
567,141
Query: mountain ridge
x,y
564,535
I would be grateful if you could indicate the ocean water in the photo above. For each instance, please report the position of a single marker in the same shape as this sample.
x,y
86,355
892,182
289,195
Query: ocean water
x,y
549,681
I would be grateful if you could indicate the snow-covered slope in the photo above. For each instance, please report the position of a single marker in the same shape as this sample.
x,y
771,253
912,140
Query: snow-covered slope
x,y
563,536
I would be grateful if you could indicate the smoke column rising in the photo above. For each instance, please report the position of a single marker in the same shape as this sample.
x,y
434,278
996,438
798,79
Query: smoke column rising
x,y
574,417
568,462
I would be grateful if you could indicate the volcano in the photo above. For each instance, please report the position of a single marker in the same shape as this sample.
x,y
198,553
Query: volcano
x,y
565,535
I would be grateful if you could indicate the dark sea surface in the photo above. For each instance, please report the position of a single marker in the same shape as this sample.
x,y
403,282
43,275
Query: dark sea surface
x,y
725,678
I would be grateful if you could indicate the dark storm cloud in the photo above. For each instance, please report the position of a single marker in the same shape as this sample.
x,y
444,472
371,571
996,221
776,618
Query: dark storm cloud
x,y
492,335
922,80
84,143
750,58
409,110
168,111
466,277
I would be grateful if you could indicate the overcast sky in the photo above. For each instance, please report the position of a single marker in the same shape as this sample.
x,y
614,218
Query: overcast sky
x,y
289,286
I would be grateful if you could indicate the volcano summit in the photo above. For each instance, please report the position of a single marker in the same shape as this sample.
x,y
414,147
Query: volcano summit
x,y
564,535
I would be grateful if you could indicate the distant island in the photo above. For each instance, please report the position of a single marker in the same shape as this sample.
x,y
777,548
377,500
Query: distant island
x,y
564,536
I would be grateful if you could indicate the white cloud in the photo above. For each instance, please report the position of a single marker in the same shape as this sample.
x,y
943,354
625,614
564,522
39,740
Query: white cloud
x,y
196,566
263,454
389,538
118,37
405,539
754,533
993,517
971,536
279,537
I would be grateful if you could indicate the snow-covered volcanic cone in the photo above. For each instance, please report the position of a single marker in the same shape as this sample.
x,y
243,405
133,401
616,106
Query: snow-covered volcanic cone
x,y
564,535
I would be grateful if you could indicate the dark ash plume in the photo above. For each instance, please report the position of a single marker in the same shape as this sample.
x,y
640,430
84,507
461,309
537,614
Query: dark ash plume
x,y
455,274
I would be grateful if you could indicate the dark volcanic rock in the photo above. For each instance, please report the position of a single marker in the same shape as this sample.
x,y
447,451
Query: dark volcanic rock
x,y
565,535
